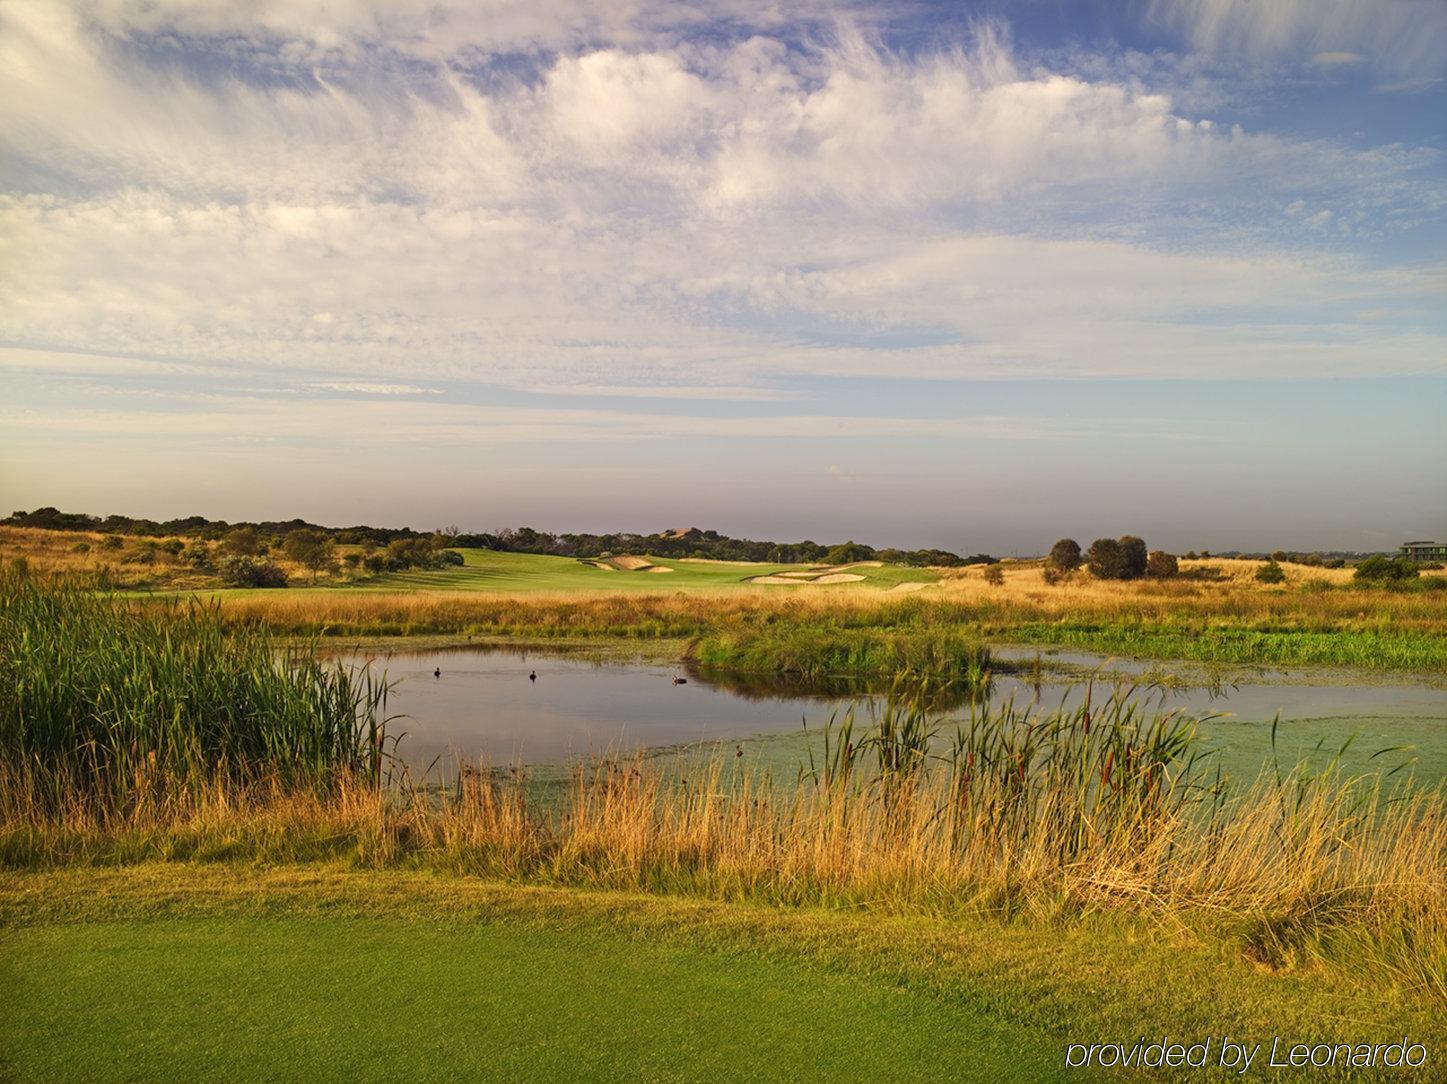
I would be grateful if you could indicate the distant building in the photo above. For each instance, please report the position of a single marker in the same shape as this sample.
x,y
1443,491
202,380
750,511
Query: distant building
x,y
1425,551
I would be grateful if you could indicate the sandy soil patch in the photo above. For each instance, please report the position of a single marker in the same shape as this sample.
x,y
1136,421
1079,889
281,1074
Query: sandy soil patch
x,y
838,577
712,561
657,568
906,588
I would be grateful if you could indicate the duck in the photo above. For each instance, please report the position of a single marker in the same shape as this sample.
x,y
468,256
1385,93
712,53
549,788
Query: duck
x,y
533,676
680,681
437,673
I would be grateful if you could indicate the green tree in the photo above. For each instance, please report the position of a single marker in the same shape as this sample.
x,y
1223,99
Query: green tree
x,y
847,553
1065,555
242,542
312,550
1106,560
1135,555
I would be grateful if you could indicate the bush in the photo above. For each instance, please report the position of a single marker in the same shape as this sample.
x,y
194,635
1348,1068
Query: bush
x,y
1105,559
243,542
241,571
1136,556
1161,565
1278,556
994,574
1271,572
111,542
80,547
1065,555
198,556
1385,570
1054,577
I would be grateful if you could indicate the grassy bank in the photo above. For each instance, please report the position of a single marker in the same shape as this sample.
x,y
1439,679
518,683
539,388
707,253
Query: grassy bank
x,y
383,974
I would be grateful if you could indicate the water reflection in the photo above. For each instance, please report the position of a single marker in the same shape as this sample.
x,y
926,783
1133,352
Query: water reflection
x,y
481,704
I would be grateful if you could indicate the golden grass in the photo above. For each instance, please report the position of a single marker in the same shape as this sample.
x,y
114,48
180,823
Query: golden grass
x,y
1311,872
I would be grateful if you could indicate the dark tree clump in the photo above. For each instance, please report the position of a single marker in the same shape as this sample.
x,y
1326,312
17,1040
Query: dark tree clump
x,y
1065,555
1106,559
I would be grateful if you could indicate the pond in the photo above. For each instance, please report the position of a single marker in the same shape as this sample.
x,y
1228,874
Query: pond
x,y
484,705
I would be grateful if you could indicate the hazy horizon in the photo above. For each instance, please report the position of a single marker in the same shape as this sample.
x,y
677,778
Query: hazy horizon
x,y
962,276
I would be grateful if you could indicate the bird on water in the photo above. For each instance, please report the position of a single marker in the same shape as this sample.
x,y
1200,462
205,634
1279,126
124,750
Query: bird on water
x,y
680,681
437,673
533,676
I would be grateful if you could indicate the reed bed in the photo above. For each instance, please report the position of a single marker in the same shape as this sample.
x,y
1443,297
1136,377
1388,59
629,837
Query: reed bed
x,y
110,699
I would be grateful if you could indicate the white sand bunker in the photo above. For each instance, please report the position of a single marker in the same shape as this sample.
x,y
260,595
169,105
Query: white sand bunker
x,y
628,564
807,579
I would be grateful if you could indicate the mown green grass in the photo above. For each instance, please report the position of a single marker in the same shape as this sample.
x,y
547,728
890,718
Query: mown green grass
x,y
199,972
487,570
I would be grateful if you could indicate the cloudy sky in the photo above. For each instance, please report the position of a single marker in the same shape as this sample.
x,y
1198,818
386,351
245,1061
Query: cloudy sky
x,y
973,276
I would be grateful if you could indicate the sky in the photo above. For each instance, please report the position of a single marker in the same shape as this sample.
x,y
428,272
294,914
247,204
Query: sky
x,y
974,276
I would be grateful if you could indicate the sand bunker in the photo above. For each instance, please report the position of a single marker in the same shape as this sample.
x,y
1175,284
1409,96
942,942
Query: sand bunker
x,y
906,588
628,564
831,577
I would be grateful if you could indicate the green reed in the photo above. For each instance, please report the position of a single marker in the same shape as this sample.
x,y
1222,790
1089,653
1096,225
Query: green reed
x,y
102,696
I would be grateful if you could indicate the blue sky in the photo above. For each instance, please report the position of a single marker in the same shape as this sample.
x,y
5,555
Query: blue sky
x,y
973,276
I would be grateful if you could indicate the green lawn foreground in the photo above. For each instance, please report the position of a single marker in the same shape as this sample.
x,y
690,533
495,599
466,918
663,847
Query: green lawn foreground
x,y
218,972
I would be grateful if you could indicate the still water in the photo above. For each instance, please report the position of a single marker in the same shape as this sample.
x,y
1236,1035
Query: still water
x,y
484,705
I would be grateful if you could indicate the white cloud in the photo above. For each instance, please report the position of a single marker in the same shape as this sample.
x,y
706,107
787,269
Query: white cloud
x,y
1405,39
655,216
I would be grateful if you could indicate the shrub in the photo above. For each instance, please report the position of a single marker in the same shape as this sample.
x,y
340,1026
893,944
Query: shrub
x,y
1065,555
111,542
242,571
243,542
1105,559
1385,570
1136,556
1279,556
1161,565
1054,577
80,547
1271,572
198,556
994,574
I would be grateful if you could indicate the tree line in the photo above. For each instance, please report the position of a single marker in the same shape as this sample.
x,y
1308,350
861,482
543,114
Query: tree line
x,y
691,542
